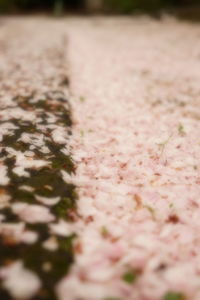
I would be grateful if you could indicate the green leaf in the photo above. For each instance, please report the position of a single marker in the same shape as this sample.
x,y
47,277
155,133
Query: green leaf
x,y
174,296
104,231
151,210
82,99
181,130
129,277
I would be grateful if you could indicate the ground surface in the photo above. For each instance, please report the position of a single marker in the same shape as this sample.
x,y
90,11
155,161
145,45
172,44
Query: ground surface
x,y
134,93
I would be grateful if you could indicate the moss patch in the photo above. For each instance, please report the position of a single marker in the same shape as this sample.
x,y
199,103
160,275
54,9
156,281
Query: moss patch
x,y
50,265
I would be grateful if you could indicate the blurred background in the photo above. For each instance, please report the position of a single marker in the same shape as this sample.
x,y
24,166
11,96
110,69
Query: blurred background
x,y
183,8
